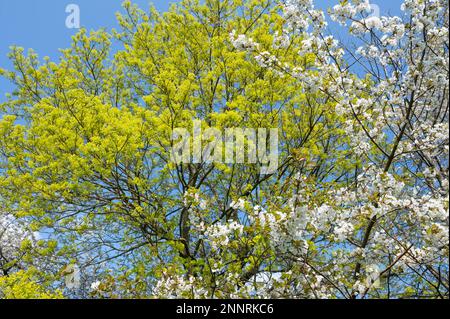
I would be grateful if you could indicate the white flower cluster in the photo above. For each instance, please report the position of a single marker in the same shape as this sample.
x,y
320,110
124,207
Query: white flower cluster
x,y
349,10
192,198
239,204
95,286
366,25
281,41
219,234
179,286
242,42
12,234
266,60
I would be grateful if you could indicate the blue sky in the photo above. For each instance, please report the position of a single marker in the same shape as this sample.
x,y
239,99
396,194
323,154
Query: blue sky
x,y
40,24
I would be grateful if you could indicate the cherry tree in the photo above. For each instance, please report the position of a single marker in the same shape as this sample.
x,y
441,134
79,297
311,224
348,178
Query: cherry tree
x,y
384,232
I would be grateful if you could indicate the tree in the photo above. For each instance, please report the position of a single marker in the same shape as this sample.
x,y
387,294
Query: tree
x,y
392,216
356,209
12,234
23,285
